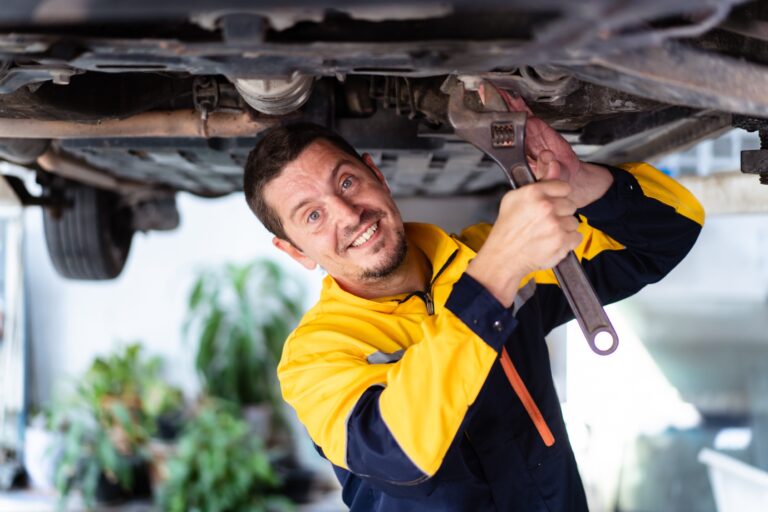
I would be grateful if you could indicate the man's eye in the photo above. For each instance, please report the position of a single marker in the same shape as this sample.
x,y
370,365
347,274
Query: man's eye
x,y
314,216
346,183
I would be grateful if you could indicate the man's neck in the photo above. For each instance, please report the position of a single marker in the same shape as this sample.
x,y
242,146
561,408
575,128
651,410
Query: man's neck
x,y
413,275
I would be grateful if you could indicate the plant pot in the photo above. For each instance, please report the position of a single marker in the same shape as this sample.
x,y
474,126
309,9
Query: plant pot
x,y
111,492
42,448
169,425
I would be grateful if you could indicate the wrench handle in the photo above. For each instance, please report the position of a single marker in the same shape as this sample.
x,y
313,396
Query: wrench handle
x,y
585,304
573,281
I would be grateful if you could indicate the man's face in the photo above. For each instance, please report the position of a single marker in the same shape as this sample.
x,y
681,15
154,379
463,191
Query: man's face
x,y
338,213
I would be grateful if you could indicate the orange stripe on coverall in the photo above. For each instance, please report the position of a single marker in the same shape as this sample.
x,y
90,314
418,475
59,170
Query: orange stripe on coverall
x,y
525,397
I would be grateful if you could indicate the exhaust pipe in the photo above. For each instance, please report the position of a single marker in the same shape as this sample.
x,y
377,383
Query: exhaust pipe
x,y
177,123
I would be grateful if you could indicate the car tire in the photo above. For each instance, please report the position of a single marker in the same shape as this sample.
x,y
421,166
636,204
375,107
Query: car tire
x,y
90,238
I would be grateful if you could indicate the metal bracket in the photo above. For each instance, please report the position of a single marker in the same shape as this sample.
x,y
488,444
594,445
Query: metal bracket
x,y
28,199
205,97
755,161
18,76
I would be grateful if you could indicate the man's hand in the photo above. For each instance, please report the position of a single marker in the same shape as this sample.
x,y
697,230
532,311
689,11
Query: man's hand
x,y
535,230
551,157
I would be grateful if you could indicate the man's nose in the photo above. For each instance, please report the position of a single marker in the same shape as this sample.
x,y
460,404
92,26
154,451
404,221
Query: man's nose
x,y
346,211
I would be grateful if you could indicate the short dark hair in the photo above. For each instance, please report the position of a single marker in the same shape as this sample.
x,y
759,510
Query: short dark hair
x,y
277,148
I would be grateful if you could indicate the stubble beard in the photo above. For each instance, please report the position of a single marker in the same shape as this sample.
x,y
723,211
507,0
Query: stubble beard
x,y
393,262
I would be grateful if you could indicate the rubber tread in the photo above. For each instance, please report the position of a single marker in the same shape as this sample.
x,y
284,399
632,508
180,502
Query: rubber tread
x,y
88,241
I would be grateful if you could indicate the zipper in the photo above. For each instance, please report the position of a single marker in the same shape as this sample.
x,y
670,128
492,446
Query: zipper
x,y
445,265
426,295
428,301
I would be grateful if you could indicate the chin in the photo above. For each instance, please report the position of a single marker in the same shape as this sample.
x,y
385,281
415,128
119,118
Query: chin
x,y
389,263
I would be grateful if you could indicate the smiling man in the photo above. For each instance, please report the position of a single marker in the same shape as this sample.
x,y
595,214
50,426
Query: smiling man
x,y
362,242
422,373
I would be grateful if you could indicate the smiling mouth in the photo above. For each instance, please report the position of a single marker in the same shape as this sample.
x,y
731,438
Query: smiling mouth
x,y
367,234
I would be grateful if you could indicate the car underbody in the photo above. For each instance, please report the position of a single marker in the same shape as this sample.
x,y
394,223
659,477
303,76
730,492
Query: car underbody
x,y
118,106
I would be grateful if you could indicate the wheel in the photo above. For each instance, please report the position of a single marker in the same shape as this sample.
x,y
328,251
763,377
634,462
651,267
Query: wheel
x,y
90,238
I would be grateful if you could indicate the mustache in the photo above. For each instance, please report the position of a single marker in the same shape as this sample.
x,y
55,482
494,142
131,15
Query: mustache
x,y
350,233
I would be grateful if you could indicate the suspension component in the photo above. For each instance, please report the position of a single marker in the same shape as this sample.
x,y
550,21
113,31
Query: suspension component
x,y
276,96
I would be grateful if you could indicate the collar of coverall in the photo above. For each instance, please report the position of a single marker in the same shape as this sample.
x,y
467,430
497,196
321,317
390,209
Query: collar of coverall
x,y
433,242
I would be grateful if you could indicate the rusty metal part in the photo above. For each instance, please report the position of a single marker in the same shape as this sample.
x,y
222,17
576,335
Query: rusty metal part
x,y
76,170
655,141
544,84
178,123
501,135
681,75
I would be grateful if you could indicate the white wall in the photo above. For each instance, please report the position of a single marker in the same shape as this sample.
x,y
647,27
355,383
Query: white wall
x,y
72,321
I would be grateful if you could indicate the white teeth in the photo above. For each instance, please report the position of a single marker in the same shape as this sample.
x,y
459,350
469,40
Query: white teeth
x,y
365,236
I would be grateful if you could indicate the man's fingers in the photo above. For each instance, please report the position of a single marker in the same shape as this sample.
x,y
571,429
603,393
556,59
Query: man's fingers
x,y
547,167
564,207
569,223
553,167
553,188
542,164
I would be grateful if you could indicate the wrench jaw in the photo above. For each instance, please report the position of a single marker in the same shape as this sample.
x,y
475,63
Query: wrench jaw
x,y
467,123
500,134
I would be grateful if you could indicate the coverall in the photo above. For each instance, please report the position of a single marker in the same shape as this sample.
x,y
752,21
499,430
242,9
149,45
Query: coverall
x,y
408,397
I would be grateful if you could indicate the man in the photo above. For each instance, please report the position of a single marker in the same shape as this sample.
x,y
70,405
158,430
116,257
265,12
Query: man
x,y
422,374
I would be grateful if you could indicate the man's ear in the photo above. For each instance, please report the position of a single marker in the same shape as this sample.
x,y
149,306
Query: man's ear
x,y
368,159
294,252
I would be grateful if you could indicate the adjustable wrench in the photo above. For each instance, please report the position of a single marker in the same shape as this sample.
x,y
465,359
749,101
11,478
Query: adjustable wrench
x,y
501,135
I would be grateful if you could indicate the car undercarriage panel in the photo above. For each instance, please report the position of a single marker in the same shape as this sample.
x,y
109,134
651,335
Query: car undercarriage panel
x,y
621,80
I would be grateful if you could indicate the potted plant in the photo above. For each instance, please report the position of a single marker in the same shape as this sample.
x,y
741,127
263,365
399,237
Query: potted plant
x,y
240,316
108,425
220,466
91,462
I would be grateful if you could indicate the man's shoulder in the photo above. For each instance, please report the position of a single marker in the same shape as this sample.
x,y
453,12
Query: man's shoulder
x,y
338,313
474,236
333,329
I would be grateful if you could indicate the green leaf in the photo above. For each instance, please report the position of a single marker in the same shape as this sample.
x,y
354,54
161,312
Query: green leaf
x,y
231,468
241,315
197,293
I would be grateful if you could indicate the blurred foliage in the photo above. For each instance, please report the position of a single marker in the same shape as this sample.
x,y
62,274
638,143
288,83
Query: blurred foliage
x,y
240,316
106,426
88,453
219,466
